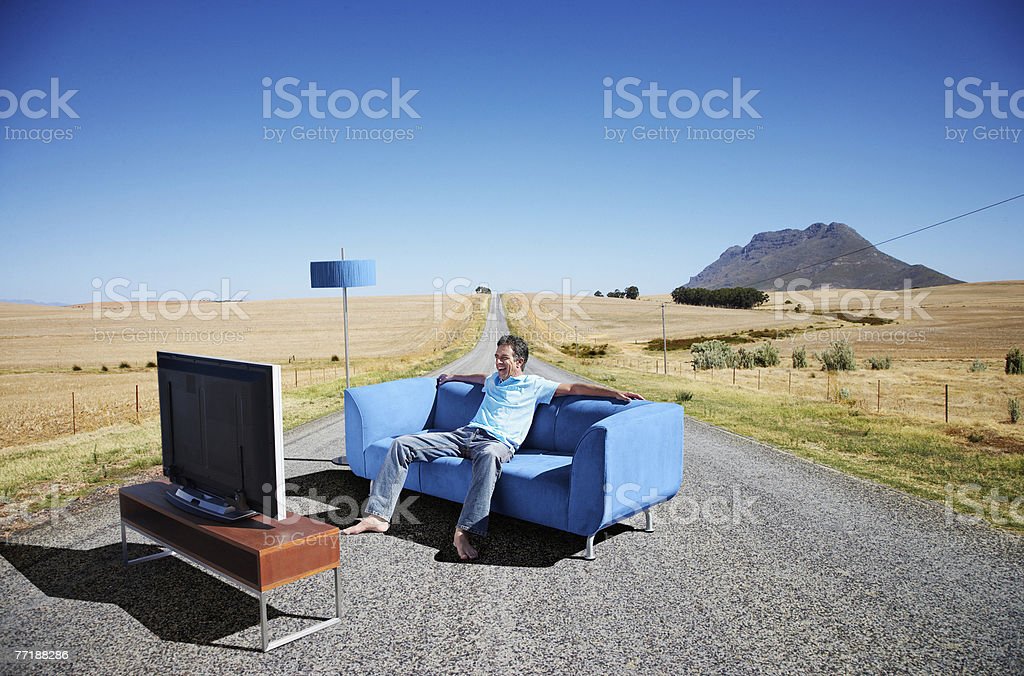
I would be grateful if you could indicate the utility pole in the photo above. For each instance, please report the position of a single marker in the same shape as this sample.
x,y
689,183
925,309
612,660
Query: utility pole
x,y
664,339
576,340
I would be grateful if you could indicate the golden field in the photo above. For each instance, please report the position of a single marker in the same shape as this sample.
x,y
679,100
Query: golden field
x,y
933,337
41,345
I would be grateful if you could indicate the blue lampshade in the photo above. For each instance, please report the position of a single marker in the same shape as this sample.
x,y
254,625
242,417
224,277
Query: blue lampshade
x,y
338,274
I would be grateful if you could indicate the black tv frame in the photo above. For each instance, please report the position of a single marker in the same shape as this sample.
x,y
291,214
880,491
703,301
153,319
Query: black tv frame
x,y
222,435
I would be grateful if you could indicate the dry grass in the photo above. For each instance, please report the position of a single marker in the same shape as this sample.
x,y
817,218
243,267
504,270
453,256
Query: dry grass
x,y
47,465
42,344
931,347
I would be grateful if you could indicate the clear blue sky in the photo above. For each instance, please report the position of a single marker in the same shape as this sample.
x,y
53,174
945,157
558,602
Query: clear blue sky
x,y
508,180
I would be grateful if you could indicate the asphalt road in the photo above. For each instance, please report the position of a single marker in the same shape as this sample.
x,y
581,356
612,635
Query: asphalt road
x,y
763,563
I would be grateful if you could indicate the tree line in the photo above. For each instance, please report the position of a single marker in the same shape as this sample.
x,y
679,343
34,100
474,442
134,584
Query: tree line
x,y
742,297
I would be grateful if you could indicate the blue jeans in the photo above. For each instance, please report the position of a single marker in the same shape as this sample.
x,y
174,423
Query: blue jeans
x,y
476,445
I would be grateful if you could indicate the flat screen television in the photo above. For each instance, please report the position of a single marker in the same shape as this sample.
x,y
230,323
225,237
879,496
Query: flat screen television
x,y
222,435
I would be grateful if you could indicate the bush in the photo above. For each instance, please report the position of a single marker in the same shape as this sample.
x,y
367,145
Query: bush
x,y
766,355
880,363
978,366
711,354
1014,362
1013,406
683,395
838,357
800,357
844,394
124,365
104,368
599,294
76,367
334,357
632,292
743,359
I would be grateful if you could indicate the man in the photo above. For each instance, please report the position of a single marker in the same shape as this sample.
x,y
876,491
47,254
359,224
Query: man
x,y
490,439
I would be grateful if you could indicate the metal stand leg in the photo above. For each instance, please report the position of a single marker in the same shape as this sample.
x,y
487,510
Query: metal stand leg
x,y
264,630
588,553
337,592
649,527
142,559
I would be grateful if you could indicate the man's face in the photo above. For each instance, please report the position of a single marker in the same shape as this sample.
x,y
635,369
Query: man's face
x,y
506,363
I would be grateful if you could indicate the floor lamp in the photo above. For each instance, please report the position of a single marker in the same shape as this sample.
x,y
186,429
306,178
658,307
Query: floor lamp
x,y
343,274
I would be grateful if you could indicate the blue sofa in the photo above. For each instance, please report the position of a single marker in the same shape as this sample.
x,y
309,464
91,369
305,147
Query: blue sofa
x,y
586,464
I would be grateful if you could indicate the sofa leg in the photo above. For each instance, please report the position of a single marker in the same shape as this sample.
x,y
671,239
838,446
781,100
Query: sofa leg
x,y
588,553
649,527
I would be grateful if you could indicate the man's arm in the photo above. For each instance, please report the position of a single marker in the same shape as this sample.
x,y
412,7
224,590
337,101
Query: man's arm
x,y
594,391
472,378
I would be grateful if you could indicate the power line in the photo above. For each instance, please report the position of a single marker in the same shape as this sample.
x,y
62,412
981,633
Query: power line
x,y
891,239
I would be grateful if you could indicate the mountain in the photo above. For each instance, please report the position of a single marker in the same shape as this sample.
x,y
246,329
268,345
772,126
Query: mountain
x,y
26,301
771,255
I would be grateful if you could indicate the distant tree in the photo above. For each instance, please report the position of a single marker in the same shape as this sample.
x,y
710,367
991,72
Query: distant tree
x,y
617,293
736,297
598,294
632,292
482,289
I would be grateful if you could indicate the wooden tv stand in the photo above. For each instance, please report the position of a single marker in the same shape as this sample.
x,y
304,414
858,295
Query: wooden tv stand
x,y
258,553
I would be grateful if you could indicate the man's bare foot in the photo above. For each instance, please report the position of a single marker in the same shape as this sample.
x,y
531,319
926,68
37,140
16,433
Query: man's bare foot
x,y
463,547
368,524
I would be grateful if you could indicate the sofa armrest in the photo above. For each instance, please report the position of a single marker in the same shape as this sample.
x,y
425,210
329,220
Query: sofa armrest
x,y
373,412
625,463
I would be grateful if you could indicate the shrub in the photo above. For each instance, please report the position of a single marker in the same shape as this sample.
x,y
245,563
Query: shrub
x,y
799,307
800,357
76,367
334,357
844,394
711,354
684,395
838,357
766,355
1013,406
104,368
599,294
124,365
743,359
880,363
632,292
977,366
1014,362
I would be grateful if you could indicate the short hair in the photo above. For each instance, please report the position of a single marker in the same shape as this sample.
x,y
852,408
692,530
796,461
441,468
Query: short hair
x,y
520,350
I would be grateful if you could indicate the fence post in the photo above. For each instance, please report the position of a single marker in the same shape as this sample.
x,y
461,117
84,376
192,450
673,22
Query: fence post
x,y
74,427
296,372
947,402
758,379
136,403
791,382
733,375
878,405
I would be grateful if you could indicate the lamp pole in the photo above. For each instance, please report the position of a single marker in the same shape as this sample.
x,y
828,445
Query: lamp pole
x,y
344,312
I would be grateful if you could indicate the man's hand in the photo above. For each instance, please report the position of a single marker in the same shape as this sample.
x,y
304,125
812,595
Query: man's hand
x,y
595,391
472,379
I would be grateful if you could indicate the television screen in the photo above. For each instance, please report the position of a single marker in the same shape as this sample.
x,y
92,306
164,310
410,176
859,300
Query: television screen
x,y
222,435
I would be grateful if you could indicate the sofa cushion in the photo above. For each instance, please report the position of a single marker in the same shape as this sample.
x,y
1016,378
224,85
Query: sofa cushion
x,y
533,486
456,405
576,414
